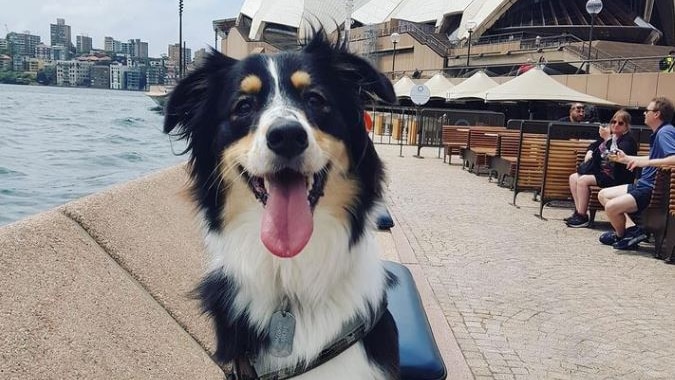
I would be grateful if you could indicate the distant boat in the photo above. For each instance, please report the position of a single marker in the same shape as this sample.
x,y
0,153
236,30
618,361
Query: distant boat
x,y
159,94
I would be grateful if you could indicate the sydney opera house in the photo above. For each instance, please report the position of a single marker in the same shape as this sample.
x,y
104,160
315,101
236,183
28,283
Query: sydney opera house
x,y
621,41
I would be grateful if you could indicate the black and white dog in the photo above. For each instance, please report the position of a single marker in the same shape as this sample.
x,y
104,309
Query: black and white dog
x,y
287,180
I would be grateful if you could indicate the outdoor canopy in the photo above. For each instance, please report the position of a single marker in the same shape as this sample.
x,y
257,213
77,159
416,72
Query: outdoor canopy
x,y
403,86
439,85
477,83
535,84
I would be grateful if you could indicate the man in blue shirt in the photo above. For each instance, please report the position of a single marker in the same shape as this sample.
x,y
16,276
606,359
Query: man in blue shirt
x,y
633,198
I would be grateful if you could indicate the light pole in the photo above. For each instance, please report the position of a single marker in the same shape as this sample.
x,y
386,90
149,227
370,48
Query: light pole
x,y
180,39
469,28
593,7
395,38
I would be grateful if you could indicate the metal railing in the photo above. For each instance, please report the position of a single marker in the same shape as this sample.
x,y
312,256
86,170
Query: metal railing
x,y
422,127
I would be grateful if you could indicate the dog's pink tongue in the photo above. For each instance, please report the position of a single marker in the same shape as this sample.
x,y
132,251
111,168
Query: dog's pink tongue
x,y
287,221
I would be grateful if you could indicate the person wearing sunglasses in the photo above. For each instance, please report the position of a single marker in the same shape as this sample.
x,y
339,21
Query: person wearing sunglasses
x,y
622,200
577,113
598,169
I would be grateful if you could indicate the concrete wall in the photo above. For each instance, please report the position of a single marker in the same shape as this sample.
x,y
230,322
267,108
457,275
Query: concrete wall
x,y
100,288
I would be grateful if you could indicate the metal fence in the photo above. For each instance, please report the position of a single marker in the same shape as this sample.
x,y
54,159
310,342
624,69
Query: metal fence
x,y
420,126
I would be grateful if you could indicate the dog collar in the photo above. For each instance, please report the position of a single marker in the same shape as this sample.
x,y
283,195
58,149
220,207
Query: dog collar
x,y
352,332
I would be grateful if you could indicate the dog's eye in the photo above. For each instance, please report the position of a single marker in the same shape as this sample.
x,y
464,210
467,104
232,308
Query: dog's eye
x,y
315,100
243,108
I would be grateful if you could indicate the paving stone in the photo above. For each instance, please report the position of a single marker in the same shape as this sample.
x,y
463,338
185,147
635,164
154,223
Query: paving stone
x,y
553,301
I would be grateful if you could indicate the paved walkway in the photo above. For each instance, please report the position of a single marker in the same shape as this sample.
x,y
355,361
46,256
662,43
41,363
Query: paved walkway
x,y
525,297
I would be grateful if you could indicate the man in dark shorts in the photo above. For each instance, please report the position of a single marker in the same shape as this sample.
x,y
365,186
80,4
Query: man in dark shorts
x,y
633,198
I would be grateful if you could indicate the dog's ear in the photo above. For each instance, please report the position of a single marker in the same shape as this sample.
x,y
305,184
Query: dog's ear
x,y
351,69
370,81
191,92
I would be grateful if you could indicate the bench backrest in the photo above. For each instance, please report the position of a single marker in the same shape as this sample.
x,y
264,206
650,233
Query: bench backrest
x,y
508,143
565,142
483,138
455,135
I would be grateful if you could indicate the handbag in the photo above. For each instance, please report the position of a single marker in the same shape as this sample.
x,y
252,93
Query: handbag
x,y
586,167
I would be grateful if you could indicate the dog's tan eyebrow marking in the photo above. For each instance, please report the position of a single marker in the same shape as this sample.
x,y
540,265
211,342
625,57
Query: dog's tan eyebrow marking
x,y
251,84
301,79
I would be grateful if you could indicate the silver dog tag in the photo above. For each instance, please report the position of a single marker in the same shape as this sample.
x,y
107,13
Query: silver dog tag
x,y
282,331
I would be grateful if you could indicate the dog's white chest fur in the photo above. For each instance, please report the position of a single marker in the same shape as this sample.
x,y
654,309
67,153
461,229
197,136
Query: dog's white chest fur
x,y
325,286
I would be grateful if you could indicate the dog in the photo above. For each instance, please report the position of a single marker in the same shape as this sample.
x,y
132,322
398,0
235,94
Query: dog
x,y
287,183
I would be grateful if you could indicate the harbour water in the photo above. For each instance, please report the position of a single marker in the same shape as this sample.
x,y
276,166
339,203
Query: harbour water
x,y
59,144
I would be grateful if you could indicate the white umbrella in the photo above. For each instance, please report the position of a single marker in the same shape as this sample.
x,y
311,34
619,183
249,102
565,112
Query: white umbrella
x,y
439,85
477,83
535,84
403,86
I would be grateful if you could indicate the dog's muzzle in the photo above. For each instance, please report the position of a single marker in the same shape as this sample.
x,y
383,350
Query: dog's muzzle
x,y
287,138
288,194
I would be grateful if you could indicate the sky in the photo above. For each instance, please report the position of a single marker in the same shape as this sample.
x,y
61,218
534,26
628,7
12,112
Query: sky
x,y
151,21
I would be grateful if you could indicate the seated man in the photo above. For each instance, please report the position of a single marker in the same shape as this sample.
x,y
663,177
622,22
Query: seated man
x,y
576,115
633,198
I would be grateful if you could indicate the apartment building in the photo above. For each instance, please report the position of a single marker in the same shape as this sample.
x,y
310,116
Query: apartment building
x,y
118,76
100,76
22,44
73,73
84,44
43,52
60,33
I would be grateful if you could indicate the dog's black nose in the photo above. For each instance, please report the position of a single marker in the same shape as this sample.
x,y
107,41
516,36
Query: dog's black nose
x,y
287,138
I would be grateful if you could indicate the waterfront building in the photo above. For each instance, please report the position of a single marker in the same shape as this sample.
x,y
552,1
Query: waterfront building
x,y
100,76
60,34
73,73
155,72
118,76
84,44
135,78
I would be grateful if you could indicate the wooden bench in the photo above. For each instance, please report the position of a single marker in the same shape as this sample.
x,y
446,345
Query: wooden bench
x,y
666,250
503,163
454,140
482,141
656,218
561,161
530,164
563,145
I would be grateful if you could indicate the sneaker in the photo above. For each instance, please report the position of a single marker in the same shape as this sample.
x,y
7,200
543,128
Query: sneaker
x,y
578,221
625,244
632,230
609,238
570,217
631,241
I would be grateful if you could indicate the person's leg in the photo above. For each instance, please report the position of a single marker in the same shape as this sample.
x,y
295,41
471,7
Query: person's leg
x,y
584,184
616,209
573,189
611,192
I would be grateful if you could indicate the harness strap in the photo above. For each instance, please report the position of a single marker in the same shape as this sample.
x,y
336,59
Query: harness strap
x,y
244,367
